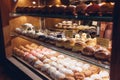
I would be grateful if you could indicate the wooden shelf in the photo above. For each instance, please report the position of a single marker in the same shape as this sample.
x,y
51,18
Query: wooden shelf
x,y
93,18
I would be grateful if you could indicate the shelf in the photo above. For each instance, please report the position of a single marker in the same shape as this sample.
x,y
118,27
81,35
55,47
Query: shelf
x,y
14,60
37,72
69,53
93,18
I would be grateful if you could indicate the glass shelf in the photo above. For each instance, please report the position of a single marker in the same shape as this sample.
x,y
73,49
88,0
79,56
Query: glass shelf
x,y
37,72
93,18
69,53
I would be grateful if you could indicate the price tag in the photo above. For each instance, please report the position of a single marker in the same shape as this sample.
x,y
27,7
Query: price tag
x,y
79,22
69,33
94,23
103,42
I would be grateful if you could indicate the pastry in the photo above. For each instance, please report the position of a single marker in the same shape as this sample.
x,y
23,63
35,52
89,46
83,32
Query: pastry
x,y
38,64
46,61
52,40
94,69
54,64
78,69
87,73
34,45
98,47
18,52
37,34
54,53
40,56
79,76
60,42
59,66
107,9
79,64
61,57
69,78
45,67
24,49
93,9
33,52
88,51
53,58
38,49
51,70
80,9
104,75
66,71
29,47
87,78
59,75
18,30
91,42
69,43
30,58
86,66
78,47
15,50
102,54
96,77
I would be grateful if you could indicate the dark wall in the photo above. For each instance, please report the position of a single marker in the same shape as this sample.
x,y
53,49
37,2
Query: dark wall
x,y
2,50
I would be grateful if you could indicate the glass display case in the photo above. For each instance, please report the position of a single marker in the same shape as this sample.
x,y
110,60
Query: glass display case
x,y
51,40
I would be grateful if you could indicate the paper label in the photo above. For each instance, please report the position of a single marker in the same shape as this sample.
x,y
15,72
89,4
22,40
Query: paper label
x,y
79,22
94,23
103,42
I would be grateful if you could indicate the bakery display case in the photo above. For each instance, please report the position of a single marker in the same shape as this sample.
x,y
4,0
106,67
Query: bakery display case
x,y
56,40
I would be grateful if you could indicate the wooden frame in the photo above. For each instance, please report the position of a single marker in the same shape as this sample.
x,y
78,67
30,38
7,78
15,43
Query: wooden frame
x,y
115,60
2,50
